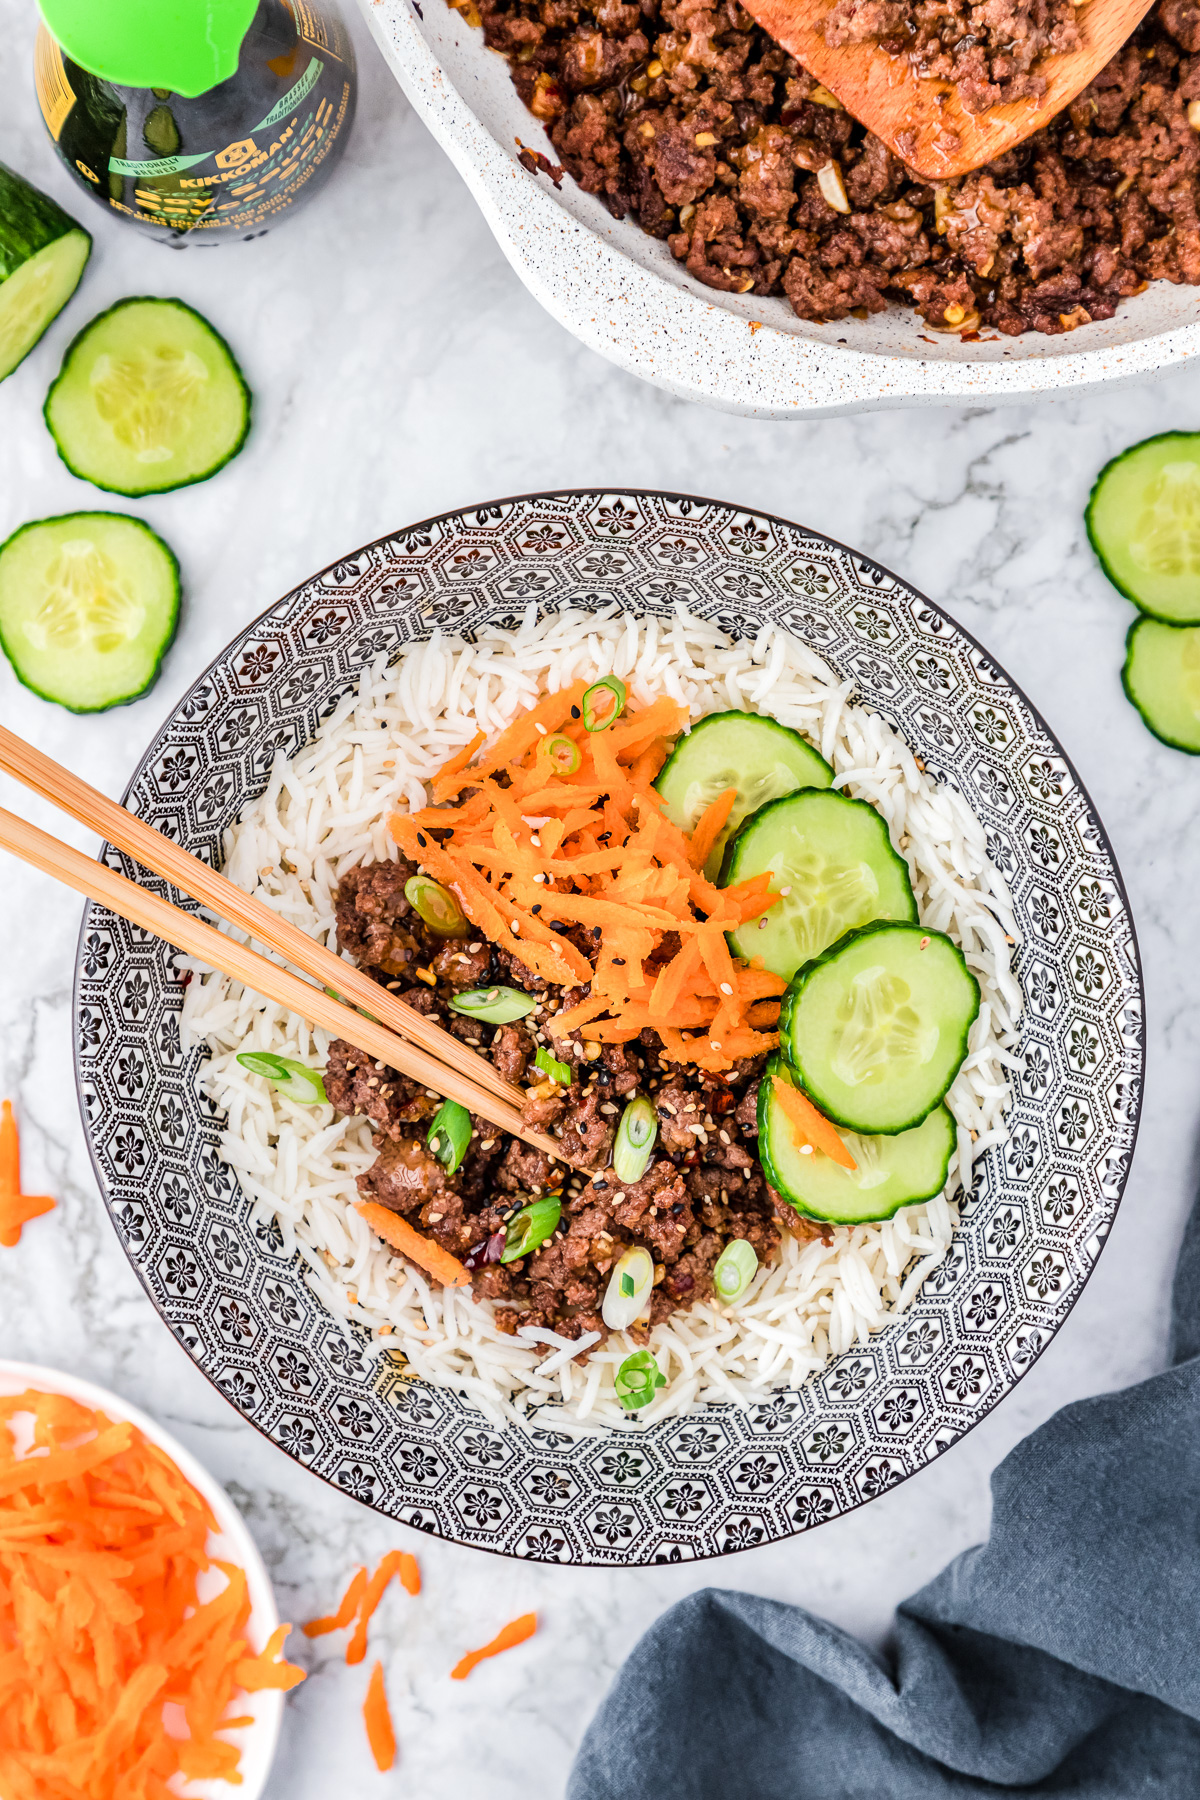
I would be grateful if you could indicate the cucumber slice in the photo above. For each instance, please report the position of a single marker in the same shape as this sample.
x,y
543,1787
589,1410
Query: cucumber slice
x,y
42,256
875,1030
89,603
759,757
149,398
1143,519
892,1171
832,859
1162,678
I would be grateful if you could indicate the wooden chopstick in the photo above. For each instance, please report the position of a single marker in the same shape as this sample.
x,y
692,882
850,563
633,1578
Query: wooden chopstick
x,y
195,938
191,876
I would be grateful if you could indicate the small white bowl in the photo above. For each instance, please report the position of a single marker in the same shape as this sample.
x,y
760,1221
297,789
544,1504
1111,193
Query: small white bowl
x,y
232,1543
623,293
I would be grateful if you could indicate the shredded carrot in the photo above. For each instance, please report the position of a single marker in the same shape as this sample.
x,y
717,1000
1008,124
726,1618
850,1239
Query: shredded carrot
x,y
461,758
346,1612
810,1126
400,1235
410,1573
101,1627
266,1670
514,1633
356,1649
709,826
380,1733
537,859
16,1208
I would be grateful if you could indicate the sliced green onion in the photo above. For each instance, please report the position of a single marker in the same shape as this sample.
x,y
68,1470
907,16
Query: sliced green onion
x,y
450,1134
437,906
295,1080
735,1269
628,1291
561,752
531,1227
496,1005
637,1380
603,702
550,1065
636,1135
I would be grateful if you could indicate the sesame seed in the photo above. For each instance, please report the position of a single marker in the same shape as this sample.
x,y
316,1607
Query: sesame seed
x,y
806,1149
474,949
763,923
726,987
784,892
539,728
514,927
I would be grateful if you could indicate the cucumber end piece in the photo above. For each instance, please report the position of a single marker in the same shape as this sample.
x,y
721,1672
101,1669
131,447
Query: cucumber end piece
x,y
36,292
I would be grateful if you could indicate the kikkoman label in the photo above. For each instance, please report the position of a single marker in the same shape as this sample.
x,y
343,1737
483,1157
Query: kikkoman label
x,y
236,184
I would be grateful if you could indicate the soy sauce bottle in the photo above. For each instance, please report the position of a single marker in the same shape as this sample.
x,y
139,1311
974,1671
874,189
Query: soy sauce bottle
x,y
197,120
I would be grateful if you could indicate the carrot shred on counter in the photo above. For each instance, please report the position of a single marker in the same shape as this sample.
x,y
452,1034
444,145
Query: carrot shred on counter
x,y
531,855
510,1635
810,1126
390,1565
400,1235
346,1613
361,1598
102,1539
16,1208
380,1734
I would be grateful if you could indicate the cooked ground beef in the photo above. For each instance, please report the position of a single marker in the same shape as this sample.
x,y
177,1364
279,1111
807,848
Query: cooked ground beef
x,y
375,923
704,1187
988,48
689,117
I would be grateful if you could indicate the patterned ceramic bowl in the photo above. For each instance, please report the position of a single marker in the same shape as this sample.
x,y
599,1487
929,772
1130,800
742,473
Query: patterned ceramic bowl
x,y
623,293
726,1478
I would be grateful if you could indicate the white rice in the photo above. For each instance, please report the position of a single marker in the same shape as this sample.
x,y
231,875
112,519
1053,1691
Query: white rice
x,y
327,808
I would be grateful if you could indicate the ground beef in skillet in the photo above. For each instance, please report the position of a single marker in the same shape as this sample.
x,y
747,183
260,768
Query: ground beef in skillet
x,y
714,141
703,1188
988,48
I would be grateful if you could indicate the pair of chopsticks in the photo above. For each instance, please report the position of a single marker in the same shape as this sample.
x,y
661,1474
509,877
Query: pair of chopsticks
x,y
403,1038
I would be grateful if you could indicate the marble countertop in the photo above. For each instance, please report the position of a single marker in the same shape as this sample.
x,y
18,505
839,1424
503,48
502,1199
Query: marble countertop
x,y
399,368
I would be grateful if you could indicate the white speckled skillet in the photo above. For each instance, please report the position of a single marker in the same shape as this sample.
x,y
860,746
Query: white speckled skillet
x,y
622,293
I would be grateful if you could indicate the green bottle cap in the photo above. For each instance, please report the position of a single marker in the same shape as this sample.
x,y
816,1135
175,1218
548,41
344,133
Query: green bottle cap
x,y
183,46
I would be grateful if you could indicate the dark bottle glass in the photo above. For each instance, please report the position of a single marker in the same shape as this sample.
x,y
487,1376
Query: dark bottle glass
x,y
228,163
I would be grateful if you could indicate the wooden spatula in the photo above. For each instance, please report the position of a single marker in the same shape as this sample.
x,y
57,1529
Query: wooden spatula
x,y
922,121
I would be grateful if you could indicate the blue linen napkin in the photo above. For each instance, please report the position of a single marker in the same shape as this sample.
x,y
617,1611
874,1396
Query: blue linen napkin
x,y
1060,1658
